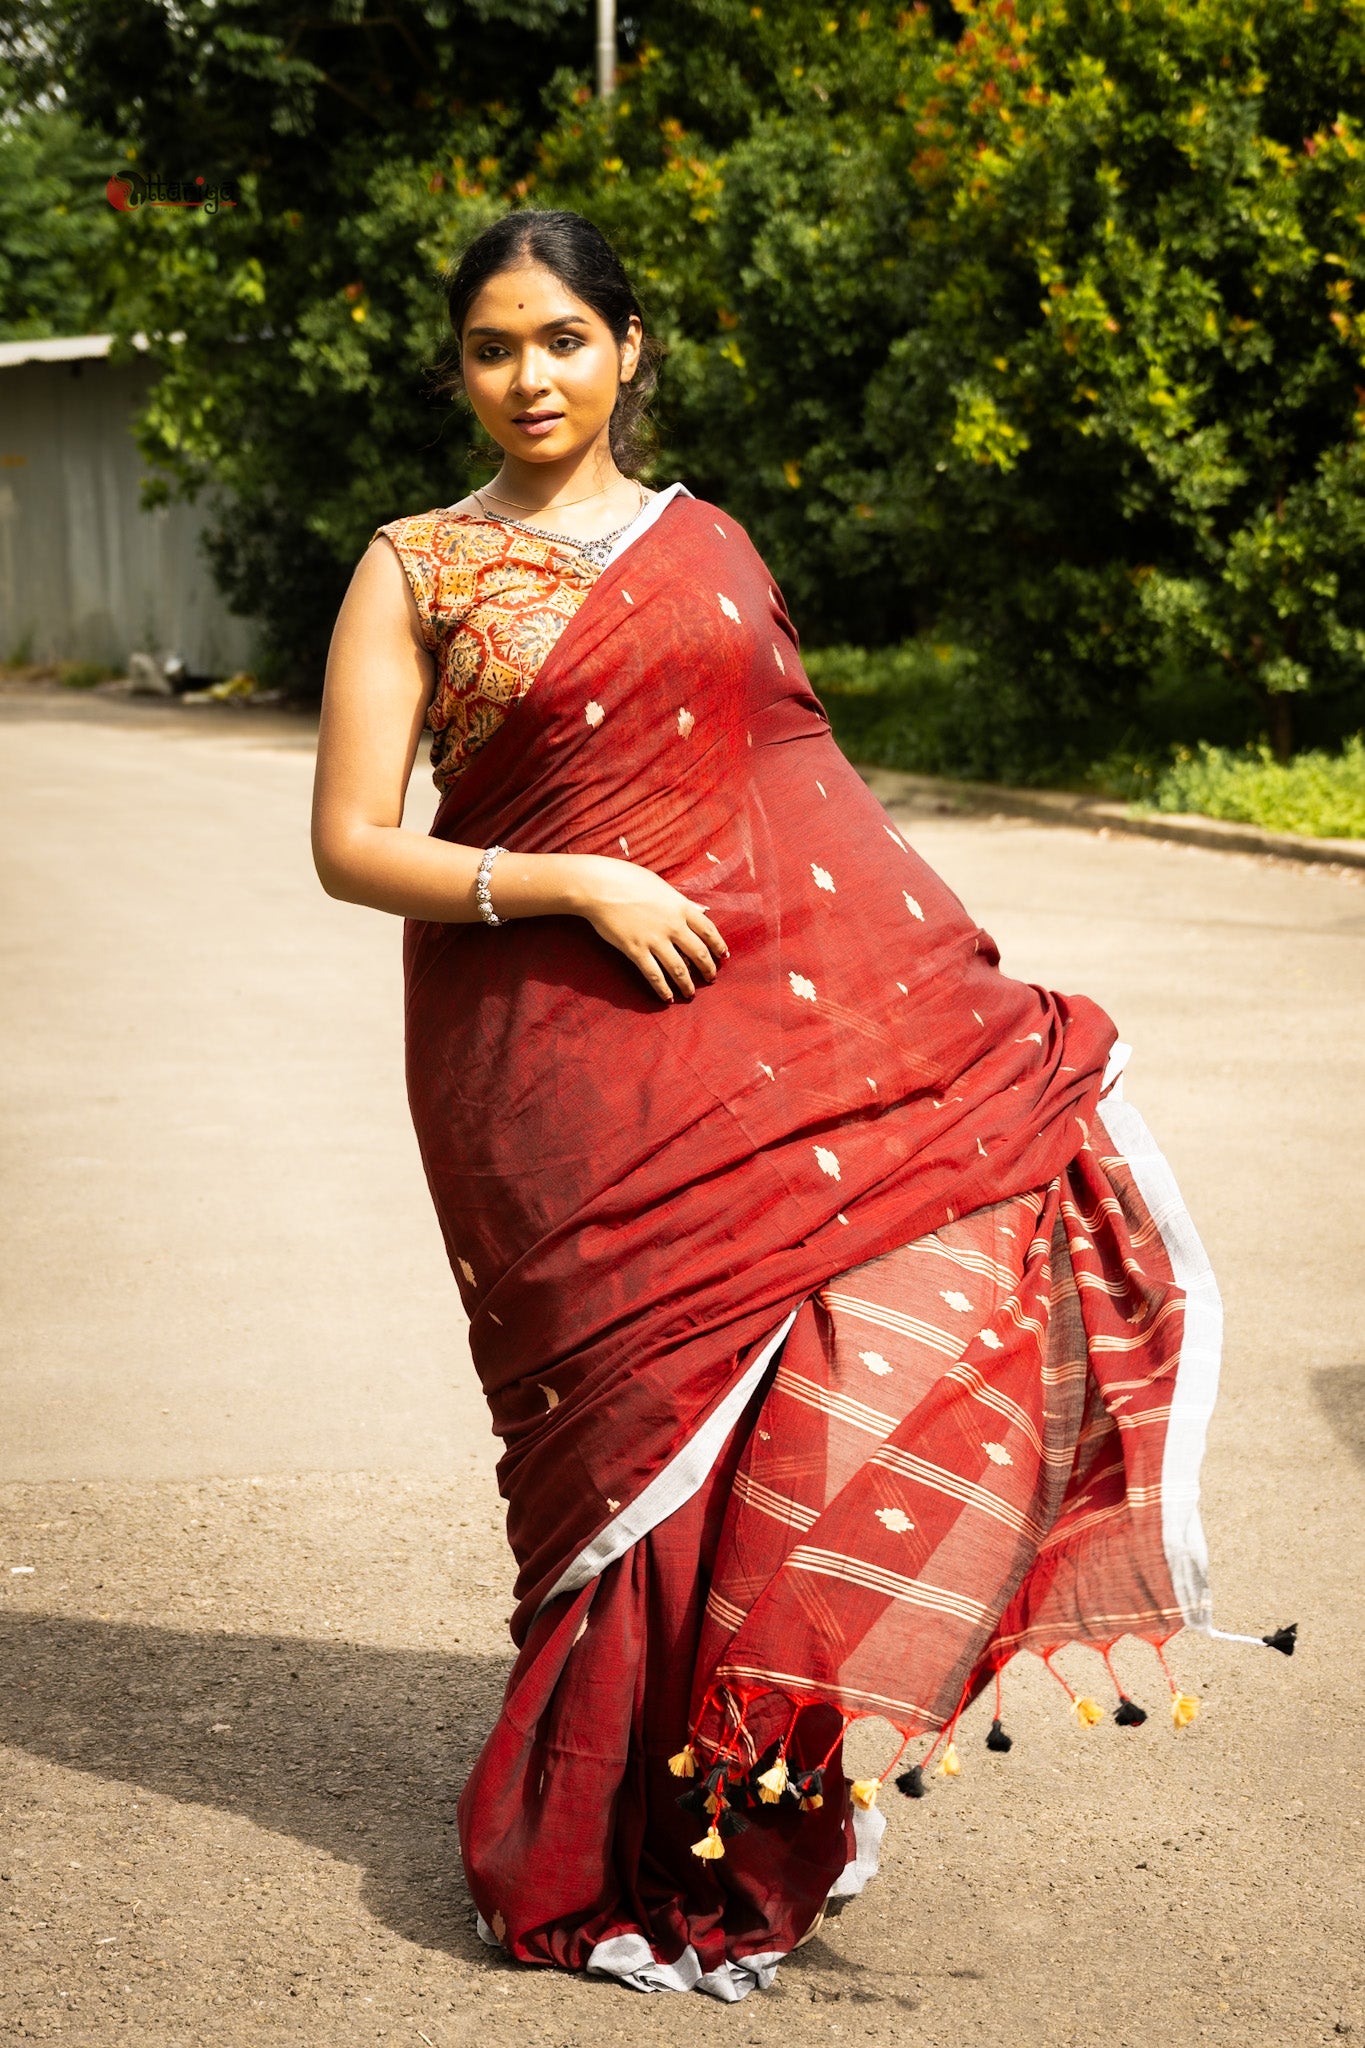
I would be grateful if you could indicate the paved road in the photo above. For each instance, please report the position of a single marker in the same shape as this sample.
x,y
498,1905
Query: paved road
x,y
263,1627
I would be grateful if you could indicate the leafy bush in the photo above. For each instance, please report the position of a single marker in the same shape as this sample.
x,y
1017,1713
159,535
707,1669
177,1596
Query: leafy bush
x,y
1320,794
922,707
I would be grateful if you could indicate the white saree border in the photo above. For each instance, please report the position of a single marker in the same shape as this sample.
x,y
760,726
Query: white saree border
x,y
640,525
667,1491
1201,1349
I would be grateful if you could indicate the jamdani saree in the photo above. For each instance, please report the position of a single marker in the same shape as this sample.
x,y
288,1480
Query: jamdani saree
x,y
842,1327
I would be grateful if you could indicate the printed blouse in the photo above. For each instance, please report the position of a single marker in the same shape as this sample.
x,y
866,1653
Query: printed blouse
x,y
492,600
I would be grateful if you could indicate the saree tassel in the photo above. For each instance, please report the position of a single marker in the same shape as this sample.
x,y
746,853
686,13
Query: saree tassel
x,y
1127,1714
949,1764
710,1847
863,1792
911,1782
1184,1705
693,1800
809,1788
1283,1639
1086,1710
996,1737
711,1791
684,1764
731,1823
773,1783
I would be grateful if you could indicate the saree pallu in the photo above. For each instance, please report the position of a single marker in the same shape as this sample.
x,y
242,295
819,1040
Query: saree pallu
x,y
665,1221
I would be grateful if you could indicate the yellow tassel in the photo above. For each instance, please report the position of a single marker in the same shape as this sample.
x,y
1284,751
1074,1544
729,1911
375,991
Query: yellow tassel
x,y
813,1803
709,1848
950,1764
1087,1712
773,1783
864,1791
684,1764
1184,1707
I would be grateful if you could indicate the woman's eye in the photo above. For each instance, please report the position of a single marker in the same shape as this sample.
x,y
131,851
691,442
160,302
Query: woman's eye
x,y
567,342
490,352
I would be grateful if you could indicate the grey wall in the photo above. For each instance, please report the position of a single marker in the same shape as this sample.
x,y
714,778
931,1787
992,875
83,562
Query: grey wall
x,y
85,573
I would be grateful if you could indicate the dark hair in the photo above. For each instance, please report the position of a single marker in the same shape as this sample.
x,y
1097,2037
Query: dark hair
x,y
582,258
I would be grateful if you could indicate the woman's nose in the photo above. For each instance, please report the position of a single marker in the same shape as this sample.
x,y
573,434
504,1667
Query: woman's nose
x,y
533,373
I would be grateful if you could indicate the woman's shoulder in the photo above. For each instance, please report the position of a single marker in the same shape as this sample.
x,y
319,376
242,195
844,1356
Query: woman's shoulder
x,y
443,527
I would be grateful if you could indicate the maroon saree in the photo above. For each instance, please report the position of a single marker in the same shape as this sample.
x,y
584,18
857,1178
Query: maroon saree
x,y
862,1130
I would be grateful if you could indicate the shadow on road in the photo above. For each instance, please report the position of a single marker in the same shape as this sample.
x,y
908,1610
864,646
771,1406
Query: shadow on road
x,y
1340,1393
355,1751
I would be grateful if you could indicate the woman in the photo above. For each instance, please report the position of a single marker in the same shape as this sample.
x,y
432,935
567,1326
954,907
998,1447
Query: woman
x,y
843,1328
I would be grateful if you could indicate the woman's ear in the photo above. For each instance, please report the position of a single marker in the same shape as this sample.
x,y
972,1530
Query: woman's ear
x,y
630,349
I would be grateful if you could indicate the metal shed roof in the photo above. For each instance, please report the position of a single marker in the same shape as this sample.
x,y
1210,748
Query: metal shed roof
x,y
66,348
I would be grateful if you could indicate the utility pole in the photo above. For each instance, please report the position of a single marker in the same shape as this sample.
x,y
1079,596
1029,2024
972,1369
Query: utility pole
x,y
606,48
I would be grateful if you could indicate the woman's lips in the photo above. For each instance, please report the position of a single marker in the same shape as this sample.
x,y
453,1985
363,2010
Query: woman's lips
x,y
537,423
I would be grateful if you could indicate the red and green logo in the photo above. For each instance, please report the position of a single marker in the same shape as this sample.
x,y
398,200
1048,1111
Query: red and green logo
x,y
129,191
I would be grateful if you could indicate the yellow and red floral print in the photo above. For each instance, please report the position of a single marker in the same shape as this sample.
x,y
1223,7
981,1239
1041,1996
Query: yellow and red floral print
x,y
492,600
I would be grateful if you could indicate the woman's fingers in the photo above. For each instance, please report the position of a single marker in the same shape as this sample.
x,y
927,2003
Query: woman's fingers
x,y
701,923
696,952
673,963
653,974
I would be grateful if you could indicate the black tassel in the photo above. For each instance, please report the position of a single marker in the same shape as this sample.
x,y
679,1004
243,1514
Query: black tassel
x,y
731,1823
997,1739
694,1799
1283,1639
911,1782
808,1784
1128,1714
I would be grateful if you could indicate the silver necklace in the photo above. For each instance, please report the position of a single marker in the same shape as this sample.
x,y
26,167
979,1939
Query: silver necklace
x,y
597,550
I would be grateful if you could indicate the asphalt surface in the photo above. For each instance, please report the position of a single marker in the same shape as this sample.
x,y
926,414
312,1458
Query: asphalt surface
x,y
253,1579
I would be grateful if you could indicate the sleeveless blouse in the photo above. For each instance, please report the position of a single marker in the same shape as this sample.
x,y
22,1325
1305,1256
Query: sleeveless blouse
x,y
492,600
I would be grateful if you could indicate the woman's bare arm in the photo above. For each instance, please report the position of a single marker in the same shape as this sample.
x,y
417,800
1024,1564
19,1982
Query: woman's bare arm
x,y
379,682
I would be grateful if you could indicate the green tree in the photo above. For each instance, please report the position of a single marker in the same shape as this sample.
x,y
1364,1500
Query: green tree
x,y
291,330
1049,335
58,240
367,151
1125,422
1036,325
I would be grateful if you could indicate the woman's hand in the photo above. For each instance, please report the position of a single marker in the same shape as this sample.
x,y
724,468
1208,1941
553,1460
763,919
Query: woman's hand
x,y
667,936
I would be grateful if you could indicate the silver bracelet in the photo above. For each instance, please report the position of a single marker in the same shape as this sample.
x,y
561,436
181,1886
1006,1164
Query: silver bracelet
x,y
481,895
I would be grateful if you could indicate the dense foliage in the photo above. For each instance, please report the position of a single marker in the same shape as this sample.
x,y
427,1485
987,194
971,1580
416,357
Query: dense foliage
x,y
1036,329
59,241
1322,795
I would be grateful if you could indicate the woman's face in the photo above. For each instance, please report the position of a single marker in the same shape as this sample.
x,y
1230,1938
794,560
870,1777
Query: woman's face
x,y
540,367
